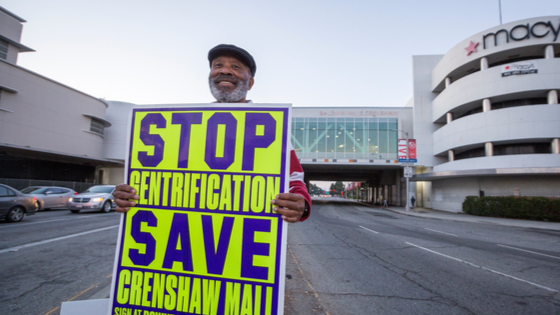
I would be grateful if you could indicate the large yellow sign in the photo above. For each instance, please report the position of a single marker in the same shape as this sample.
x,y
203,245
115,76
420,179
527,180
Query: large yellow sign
x,y
203,238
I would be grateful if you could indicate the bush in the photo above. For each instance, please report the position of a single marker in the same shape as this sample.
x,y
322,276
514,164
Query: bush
x,y
529,208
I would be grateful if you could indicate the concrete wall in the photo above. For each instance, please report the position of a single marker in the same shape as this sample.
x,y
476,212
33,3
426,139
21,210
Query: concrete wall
x,y
449,194
11,28
514,123
47,115
490,84
422,67
114,146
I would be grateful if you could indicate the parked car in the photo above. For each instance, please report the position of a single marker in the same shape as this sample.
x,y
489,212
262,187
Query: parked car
x,y
98,198
14,205
49,196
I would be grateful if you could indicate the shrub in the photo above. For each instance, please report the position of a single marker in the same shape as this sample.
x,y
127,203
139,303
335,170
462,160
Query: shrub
x,y
530,208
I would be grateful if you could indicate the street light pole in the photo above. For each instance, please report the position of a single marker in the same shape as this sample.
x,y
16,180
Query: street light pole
x,y
407,208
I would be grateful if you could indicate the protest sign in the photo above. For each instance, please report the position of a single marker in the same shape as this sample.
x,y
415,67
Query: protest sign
x,y
203,238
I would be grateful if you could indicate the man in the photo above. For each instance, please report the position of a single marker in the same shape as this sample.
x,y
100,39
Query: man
x,y
232,73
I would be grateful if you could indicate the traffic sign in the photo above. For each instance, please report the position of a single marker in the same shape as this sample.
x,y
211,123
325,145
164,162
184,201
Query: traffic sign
x,y
408,171
408,160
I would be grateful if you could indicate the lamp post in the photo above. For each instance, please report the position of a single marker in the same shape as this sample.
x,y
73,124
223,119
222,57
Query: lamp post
x,y
407,208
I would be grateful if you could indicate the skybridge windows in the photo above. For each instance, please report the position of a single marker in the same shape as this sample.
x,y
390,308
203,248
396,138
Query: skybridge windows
x,y
345,138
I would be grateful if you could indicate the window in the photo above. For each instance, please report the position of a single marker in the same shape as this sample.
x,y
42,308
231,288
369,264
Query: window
x,y
522,148
345,138
5,192
3,49
96,126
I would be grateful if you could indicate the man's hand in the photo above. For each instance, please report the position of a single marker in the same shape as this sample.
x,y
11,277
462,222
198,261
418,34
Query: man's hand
x,y
290,206
123,193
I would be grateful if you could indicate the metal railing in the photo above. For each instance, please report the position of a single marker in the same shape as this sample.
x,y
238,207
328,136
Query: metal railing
x,y
20,184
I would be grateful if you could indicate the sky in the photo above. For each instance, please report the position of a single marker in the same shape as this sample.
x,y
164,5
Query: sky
x,y
308,53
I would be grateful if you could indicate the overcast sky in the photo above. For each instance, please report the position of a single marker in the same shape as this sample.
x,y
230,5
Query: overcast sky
x,y
308,53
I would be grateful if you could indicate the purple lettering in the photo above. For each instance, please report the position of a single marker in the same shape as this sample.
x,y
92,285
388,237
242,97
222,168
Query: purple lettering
x,y
143,238
179,231
185,120
215,259
220,163
254,141
250,248
150,139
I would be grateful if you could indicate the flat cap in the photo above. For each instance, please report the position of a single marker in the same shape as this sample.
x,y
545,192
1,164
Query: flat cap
x,y
233,51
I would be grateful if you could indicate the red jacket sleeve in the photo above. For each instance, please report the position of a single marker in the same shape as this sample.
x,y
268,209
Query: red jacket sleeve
x,y
297,185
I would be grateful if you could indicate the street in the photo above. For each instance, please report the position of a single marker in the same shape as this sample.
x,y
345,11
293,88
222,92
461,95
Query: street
x,y
346,259
66,266
360,260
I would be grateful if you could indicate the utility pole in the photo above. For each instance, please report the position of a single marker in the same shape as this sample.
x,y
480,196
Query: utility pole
x,y
500,5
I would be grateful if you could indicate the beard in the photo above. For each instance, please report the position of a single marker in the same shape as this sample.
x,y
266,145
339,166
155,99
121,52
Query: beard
x,y
223,95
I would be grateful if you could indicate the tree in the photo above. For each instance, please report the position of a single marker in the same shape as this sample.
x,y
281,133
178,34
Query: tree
x,y
315,190
336,188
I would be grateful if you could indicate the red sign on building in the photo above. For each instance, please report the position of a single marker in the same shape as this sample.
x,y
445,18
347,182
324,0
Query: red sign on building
x,y
411,149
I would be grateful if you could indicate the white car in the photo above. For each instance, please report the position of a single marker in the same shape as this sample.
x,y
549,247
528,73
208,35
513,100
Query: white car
x,y
96,198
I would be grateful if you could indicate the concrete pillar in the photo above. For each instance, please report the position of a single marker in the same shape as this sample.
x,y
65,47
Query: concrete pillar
x,y
483,63
451,155
555,146
398,175
552,97
386,193
449,117
489,148
486,105
549,52
447,82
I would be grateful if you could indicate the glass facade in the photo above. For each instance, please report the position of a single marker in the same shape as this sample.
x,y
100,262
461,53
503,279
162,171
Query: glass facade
x,y
345,138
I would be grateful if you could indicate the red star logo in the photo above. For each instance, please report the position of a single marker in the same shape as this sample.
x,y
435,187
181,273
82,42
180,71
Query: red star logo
x,y
507,67
471,48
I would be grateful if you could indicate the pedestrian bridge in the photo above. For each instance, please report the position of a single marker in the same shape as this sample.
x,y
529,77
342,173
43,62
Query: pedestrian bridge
x,y
351,149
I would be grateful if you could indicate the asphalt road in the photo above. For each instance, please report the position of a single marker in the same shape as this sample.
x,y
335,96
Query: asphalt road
x,y
353,259
346,259
55,256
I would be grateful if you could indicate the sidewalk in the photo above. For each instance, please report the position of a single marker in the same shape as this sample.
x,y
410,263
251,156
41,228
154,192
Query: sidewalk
x,y
463,217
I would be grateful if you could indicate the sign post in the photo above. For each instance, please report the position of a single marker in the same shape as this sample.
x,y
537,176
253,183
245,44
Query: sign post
x,y
404,147
203,238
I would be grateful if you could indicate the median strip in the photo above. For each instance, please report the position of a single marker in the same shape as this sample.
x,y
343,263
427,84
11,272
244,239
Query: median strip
x,y
17,248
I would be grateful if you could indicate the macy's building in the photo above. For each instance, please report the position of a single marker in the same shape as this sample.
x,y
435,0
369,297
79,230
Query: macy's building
x,y
486,115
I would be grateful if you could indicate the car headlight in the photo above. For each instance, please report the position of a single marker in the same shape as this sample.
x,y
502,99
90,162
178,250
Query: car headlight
x,y
69,199
98,199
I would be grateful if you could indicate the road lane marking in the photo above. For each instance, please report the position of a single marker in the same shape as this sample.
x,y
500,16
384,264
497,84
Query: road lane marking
x,y
30,223
17,248
76,296
369,230
487,269
306,281
441,232
528,251
54,309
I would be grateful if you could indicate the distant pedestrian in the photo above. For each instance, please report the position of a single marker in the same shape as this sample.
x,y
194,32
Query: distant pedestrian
x,y
385,205
412,201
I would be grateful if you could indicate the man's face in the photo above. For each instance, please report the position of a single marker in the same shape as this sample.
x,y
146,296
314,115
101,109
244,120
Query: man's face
x,y
229,80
